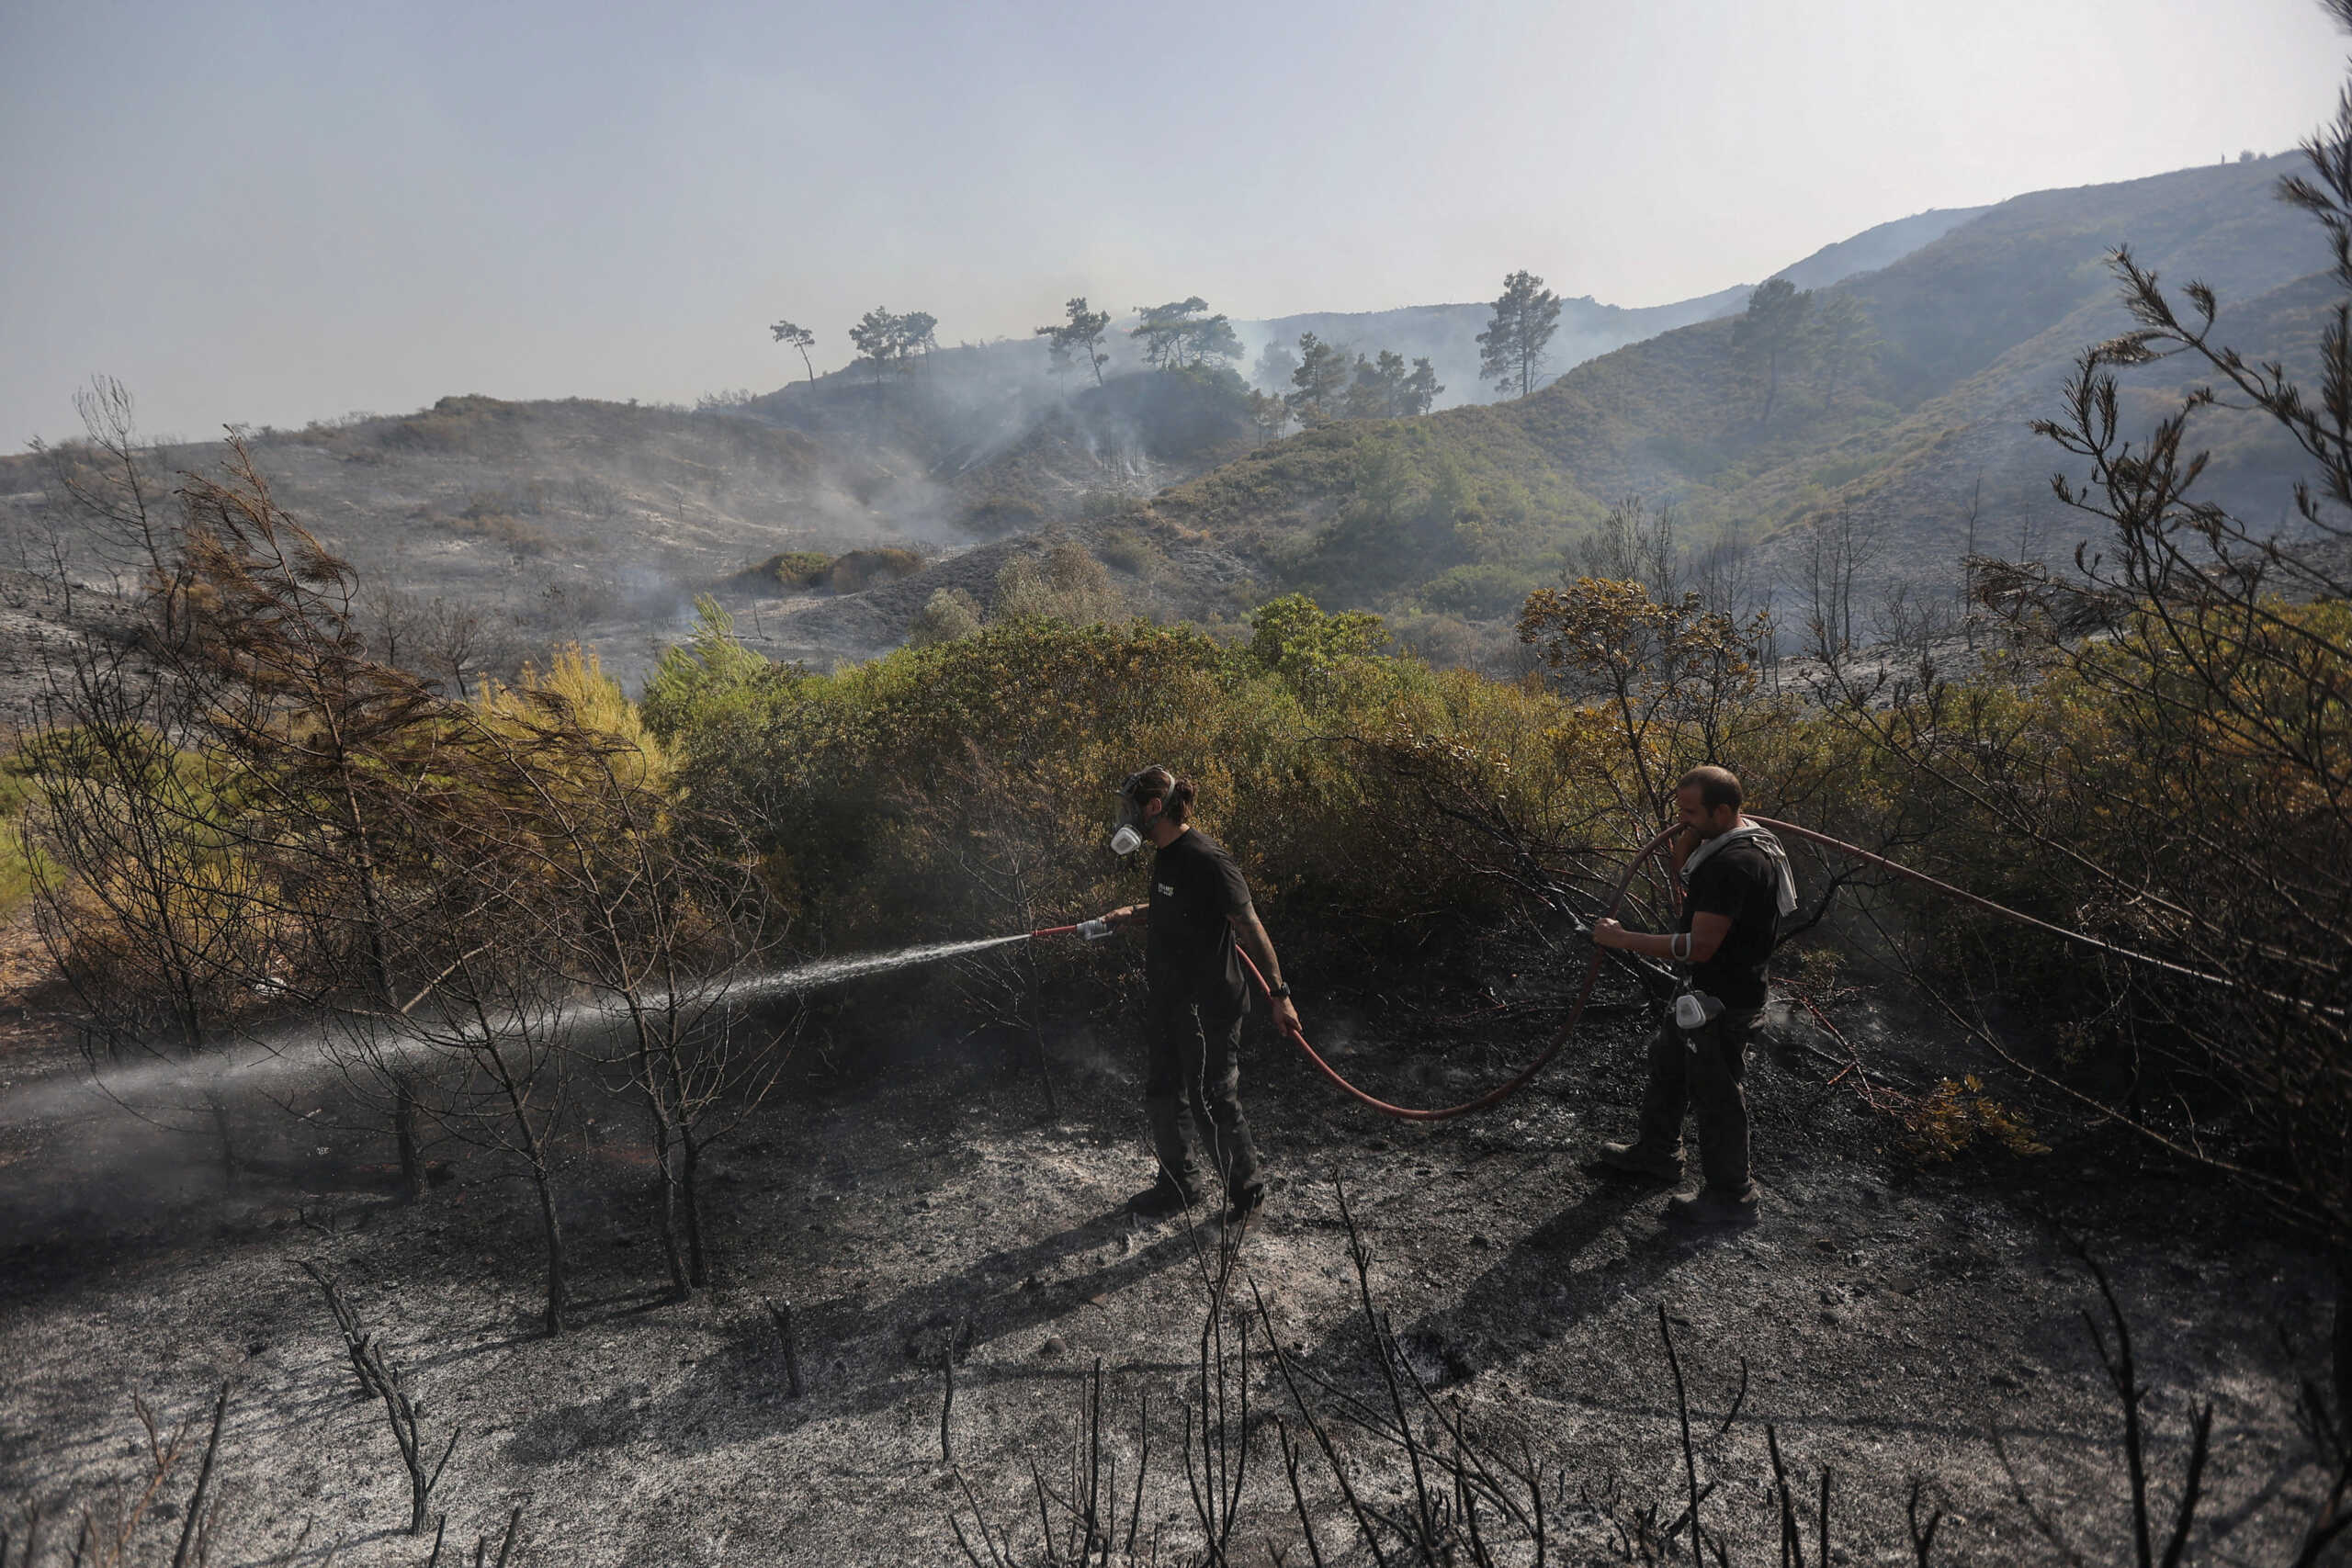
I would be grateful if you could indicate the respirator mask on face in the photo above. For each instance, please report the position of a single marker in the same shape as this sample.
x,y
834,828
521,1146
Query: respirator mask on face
x,y
1127,837
1124,839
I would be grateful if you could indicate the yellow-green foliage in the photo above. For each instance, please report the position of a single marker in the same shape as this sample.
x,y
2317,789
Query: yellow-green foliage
x,y
814,570
164,839
795,569
18,868
968,786
861,570
948,614
1066,584
574,681
1951,1117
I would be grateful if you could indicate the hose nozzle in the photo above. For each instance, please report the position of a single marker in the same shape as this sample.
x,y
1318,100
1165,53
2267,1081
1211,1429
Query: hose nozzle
x,y
1094,931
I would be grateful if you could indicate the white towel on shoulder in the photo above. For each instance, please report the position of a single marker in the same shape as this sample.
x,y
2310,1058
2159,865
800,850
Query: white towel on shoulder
x,y
1763,839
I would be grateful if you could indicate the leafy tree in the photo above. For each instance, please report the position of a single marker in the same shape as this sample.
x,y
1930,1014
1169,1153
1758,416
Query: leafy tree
x,y
876,337
1665,667
1292,637
1270,414
1512,349
1276,365
886,339
794,336
1844,341
1421,390
949,615
1080,334
1384,389
1773,329
1321,380
918,333
1181,333
1377,386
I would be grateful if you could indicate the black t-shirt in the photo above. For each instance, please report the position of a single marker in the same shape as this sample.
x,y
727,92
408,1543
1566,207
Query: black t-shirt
x,y
1740,881
1189,952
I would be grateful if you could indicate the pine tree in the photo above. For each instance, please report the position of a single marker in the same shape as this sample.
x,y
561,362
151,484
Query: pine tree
x,y
1180,334
1322,382
799,337
1512,349
1421,390
1080,334
1772,330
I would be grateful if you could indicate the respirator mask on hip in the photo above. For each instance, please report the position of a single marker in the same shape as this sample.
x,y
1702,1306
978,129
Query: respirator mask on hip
x,y
1696,1010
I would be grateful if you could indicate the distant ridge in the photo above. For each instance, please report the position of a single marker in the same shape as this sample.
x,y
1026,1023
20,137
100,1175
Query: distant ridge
x,y
1447,334
1981,313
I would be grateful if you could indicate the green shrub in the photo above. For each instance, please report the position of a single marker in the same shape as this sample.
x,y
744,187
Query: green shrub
x,y
893,798
1065,584
17,871
861,570
949,614
1124,549
795,569
1481,592
814,570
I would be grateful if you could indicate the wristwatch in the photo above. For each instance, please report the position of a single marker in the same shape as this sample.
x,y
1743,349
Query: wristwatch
x,y
1281,990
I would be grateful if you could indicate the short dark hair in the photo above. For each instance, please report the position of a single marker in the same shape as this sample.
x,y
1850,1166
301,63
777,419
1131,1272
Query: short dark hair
x,y
1157,782
1716,786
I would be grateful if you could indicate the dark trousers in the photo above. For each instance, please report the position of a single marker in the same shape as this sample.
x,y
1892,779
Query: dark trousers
x,y
1699,1071
1192,1096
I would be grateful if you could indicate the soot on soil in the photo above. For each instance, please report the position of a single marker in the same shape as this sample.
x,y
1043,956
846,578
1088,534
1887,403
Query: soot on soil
x,y
1888,1318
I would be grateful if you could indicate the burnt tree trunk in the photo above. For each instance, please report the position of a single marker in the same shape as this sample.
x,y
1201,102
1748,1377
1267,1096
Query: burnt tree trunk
x,y
690,1192
665,1197
544,1181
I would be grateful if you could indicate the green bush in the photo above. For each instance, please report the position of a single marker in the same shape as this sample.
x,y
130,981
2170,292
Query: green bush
x,y
796,569
1480,592
1124,549
1065,584
17,871
949,614
965,788
861,570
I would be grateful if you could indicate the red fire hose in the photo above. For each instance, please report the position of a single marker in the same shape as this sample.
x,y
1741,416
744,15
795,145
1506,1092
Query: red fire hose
x,y
1592,968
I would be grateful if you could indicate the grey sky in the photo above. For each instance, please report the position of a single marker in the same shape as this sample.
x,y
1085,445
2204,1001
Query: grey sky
x,y
273,212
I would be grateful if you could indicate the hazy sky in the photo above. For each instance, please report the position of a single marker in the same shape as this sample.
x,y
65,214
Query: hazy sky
x,y
274,212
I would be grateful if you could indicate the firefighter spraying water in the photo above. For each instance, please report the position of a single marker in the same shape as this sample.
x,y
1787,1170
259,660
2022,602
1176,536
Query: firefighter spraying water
x,y
1200,929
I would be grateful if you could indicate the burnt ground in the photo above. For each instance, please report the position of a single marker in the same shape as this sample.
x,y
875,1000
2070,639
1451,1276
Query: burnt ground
x,y
1892,1314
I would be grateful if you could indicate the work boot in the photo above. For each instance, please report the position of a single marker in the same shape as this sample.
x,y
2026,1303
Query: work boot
x,y
1641,1159
1245,1206
1714,1207
1161,1198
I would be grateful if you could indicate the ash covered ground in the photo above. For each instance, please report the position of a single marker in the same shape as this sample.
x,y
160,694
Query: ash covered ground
x,y
1893,1315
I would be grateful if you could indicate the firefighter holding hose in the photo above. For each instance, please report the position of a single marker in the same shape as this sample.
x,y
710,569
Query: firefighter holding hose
x,y
1195,926
1737,885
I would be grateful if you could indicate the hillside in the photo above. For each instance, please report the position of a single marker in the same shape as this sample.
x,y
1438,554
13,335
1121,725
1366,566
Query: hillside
x,y
1459,512
1447,334
546,520
602,521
